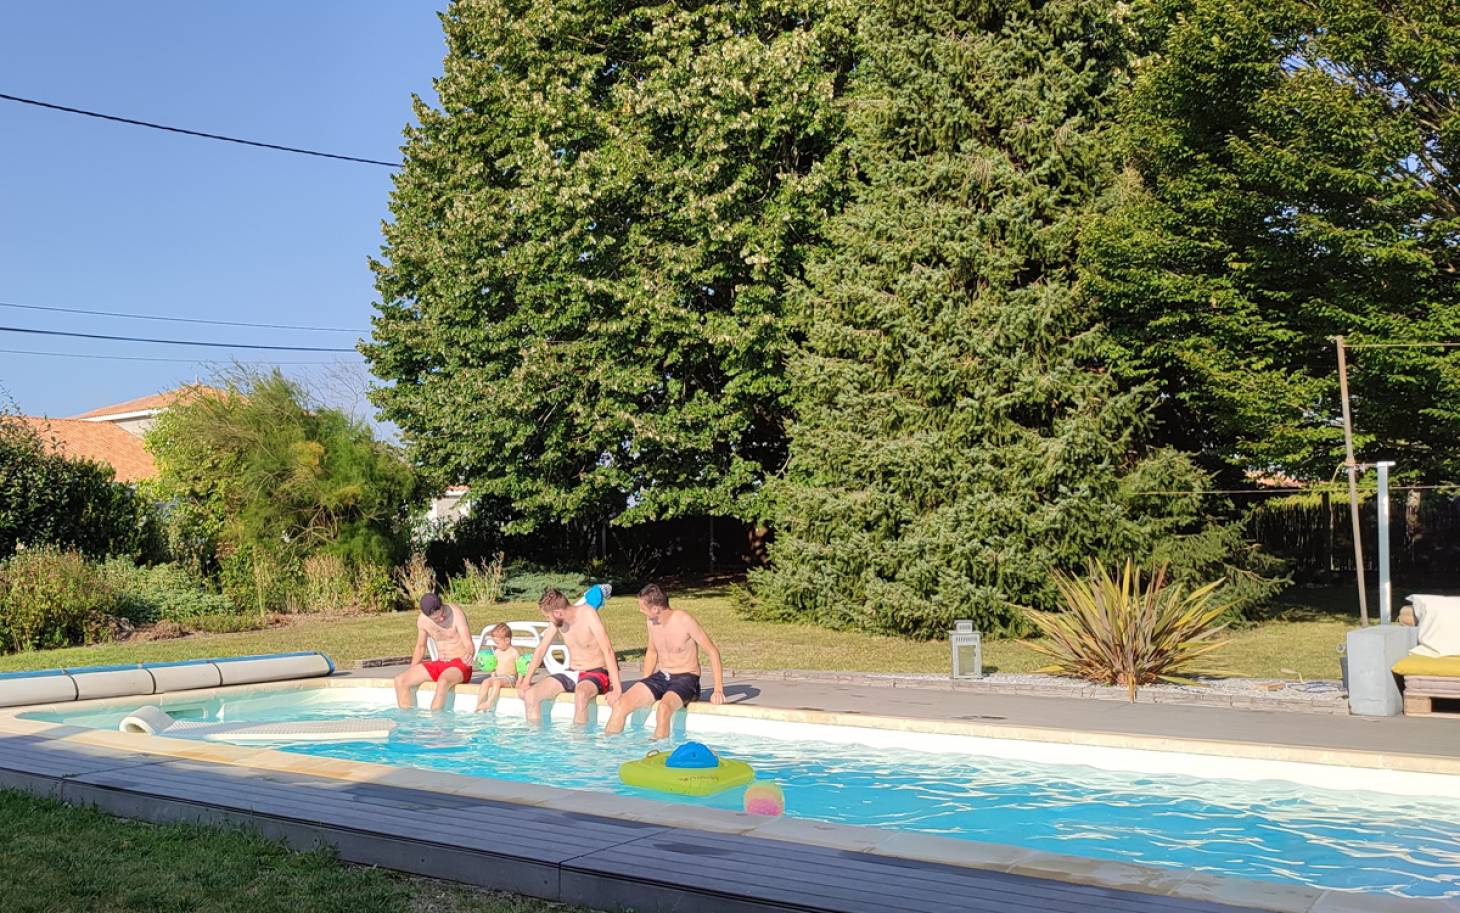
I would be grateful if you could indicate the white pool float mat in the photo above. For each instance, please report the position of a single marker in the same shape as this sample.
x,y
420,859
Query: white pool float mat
x,y
150,720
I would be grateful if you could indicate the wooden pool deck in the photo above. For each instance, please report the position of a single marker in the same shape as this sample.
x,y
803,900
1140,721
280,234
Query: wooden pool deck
x,y
594,861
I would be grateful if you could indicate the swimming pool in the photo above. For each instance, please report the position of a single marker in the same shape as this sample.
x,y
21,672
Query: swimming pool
x,y
1264,829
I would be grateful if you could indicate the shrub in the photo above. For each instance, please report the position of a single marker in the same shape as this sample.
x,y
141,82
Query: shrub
x,y
416,578
1126,631
261,582
265,477
525,580
50,598
227,624
164,592
49,499
479,583
328,584
331,584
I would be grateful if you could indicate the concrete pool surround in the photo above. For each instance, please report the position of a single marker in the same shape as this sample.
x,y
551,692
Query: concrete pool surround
x,y
1389,772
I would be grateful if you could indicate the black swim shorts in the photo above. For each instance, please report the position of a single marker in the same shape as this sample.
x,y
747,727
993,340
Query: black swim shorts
x,y
684,684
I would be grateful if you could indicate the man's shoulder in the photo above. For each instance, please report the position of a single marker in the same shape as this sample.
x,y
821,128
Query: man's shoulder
x,y
681,617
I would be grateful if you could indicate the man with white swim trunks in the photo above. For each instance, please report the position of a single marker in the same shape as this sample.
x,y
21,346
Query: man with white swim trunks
x,y
596,668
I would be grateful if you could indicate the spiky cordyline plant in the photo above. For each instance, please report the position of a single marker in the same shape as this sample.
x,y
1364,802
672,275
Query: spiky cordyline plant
x,y
1123,630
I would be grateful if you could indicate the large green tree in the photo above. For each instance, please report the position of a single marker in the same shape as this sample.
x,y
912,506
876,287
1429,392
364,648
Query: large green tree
x,y
1291,177
956,435
582,287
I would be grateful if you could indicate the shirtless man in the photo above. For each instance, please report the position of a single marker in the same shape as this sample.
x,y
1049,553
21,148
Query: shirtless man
x,y
671,664
446,625
596,669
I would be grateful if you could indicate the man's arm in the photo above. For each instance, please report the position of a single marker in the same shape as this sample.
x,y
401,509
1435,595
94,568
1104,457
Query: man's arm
x,y
463,629
420,651
525,679
600,634
717,669
651,656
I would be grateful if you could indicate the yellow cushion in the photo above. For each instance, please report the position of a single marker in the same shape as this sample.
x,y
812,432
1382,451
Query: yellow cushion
x,y
1428,665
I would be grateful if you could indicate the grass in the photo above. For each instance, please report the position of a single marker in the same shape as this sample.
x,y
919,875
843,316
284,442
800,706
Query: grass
x,y
55,857
1301,634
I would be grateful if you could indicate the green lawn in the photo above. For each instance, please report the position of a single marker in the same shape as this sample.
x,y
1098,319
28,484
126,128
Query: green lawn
x,y
55,857
1301,635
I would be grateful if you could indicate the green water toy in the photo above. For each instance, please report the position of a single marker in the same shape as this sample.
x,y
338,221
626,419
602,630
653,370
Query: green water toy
x,y
487,663
703,772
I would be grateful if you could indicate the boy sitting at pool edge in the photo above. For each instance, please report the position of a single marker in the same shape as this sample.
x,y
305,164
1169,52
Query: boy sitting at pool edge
x,y
500,662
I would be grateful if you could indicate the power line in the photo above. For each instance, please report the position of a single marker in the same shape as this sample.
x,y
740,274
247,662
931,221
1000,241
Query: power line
x,y
179,361
221,323
198,133
1315,489
172,342
1401,345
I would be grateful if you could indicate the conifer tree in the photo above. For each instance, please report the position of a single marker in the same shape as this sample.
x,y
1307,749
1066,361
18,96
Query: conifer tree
x,y
1292,177
582,287
956,437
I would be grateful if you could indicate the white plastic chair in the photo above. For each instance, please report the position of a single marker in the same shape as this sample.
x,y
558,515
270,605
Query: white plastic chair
x,y
528,634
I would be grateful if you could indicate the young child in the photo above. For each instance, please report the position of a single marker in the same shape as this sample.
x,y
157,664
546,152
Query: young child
x,y
500,663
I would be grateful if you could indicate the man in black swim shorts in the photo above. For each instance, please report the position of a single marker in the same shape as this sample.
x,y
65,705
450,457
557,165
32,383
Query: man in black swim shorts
x,y
671,664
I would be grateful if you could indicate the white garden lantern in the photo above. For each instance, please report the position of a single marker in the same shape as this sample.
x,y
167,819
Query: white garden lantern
x,y
967,645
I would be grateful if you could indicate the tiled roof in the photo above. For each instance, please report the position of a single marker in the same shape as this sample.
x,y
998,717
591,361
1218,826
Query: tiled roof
x,y
145,403
99,441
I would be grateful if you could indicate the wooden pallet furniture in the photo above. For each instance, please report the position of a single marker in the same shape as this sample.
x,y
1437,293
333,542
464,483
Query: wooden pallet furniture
x,y
1426,679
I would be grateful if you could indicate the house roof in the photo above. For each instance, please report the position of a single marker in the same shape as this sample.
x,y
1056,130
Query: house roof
x,y
155,402
99,441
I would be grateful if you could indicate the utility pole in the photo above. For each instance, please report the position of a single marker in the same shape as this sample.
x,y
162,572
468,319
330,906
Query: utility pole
x,y
1353,481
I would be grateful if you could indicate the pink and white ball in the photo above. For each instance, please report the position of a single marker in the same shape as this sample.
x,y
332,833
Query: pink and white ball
x,y
764,799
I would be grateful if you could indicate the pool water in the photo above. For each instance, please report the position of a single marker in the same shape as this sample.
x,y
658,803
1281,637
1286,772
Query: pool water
x,y
1272,830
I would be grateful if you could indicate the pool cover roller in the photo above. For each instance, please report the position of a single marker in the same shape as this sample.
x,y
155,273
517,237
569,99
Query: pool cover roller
x,y
52,686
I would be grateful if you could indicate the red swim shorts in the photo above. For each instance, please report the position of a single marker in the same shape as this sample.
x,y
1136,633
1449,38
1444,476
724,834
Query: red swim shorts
x,y
435,667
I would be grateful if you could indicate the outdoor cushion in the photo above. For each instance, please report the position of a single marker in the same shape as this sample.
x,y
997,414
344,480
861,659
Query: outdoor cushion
x,y
1439,625
1442,666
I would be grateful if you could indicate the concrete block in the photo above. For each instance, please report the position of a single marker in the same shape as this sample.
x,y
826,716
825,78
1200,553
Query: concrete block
x,y
1369,655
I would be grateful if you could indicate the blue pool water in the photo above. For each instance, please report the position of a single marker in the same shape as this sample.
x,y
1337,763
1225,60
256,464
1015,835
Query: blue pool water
x,y
1271,830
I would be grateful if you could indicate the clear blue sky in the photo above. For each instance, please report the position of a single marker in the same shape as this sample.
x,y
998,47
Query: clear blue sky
x,y
120,218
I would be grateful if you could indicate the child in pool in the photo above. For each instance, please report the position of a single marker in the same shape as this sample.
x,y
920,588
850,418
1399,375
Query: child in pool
x,y
501,666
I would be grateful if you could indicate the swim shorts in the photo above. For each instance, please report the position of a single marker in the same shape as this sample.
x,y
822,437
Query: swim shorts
x,y
435,667
684,684
599,677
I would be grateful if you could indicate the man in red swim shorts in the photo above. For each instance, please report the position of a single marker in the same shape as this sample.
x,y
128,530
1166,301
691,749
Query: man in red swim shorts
x,y
446,626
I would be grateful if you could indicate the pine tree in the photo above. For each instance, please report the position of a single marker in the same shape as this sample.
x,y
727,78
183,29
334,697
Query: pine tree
x,y
1292,177
956,436
582,288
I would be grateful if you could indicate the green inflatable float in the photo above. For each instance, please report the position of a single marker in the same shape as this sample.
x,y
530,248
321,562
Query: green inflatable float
x,y
691,770
487,662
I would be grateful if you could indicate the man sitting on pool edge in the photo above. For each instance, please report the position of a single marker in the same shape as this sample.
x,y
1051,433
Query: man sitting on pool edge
x,y
455,650
671,664
582,630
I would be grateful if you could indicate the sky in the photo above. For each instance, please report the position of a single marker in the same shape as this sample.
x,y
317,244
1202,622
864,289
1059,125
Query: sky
x,y
118,218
